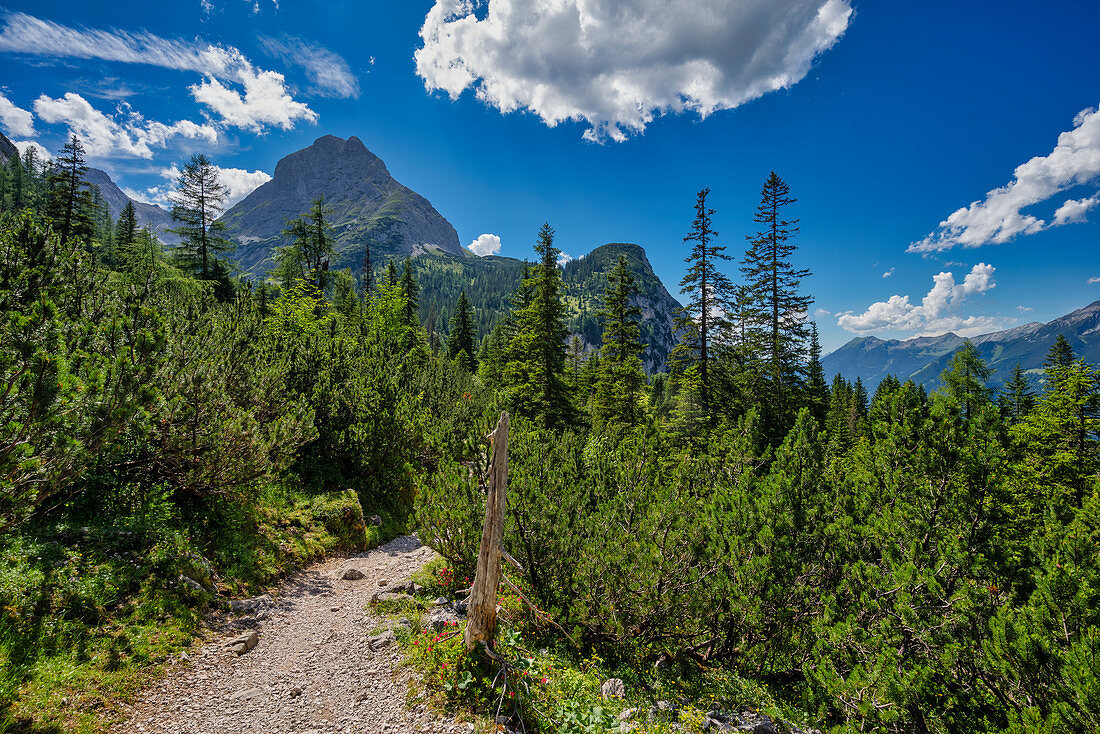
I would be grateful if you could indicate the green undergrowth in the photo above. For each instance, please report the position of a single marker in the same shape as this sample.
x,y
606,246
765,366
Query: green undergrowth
x,y
91,612
556,687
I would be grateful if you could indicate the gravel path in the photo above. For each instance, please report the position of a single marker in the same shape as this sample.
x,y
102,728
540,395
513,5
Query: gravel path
x,y
312,670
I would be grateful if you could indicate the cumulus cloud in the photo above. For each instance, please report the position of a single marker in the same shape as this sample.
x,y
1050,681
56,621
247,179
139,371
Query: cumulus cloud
x,y
24,145
238,182
820,312
104,135
935,314
328,71
17,122
264,100
486,244
616,66
563,258
1000,216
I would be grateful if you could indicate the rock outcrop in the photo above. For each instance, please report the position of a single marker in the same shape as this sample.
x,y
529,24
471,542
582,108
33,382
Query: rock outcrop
x,y
368,206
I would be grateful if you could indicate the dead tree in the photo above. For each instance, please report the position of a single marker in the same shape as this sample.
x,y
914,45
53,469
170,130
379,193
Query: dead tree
x,y
482,611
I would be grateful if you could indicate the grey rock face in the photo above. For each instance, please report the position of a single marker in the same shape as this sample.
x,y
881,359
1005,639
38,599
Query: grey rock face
x,y
613,688
7,149
368,206
148,215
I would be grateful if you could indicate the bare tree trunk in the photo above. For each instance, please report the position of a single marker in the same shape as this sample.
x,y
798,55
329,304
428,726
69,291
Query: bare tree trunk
x,y
482,619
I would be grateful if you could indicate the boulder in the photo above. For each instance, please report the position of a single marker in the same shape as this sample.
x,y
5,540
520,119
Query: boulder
x,y
250,606
243,643
439,617
380,641
613,688
352,574
374,521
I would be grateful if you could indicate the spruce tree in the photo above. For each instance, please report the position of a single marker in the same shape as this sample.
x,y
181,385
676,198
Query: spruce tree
x,y
1059,358
412,294
461,338
707,290
1017,399
622,377
366,273
776,310
534,375
126,229
69,198
196,205
817,391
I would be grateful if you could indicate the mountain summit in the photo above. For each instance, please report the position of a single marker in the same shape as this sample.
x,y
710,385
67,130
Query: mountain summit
x,y
368,205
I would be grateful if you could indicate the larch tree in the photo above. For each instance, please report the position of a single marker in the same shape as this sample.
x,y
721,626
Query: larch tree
x,y
965,380
776,310
622,378
196,205
707,290
1016,399
311,247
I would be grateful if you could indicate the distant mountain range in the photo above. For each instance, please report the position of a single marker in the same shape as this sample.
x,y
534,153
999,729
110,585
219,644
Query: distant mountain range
x,y
924,359
368,206
148,215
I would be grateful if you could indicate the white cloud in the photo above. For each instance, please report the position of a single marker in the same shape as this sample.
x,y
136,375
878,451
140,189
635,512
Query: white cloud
x,y
17,122
1093,281
265,99
563,258
819,312
238,182
241,183
328,71
105,136
889,273
1000,216
616,66
934,314
23,145
1025,309
1074,210
486,244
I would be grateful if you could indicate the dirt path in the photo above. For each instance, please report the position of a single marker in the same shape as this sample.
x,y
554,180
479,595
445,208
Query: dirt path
x,y
312,670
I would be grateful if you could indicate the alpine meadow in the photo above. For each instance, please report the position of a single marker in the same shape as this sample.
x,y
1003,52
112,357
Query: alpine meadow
x,y
280,453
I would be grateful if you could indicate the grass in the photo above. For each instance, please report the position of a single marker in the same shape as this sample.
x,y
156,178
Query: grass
x,y
557,688
90,614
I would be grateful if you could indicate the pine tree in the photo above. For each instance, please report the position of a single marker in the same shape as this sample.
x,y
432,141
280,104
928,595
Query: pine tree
x,y
707,289
535,371
196,206
817,391
1059,358
69,198
622,377
965,380
1017,399
776,310
461,338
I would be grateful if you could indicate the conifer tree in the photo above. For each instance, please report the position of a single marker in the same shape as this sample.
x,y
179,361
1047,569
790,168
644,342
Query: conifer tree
x,y
412,294
461,338
311,248
69,198
366,273
126,229
817,391
622,377
776,310
1017,398
391,273
196,205
707,290
535,373
965,380
1059,358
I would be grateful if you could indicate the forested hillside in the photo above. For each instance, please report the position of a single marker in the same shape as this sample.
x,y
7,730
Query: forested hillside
x,y
734,536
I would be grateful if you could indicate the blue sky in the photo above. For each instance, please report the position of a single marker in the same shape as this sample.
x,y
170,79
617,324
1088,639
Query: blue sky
x,y
605,118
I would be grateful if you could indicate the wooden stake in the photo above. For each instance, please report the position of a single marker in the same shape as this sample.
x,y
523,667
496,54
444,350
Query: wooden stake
x,y
482,611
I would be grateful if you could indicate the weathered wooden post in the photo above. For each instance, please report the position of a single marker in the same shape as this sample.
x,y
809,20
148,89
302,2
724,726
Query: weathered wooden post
x,y
482,610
